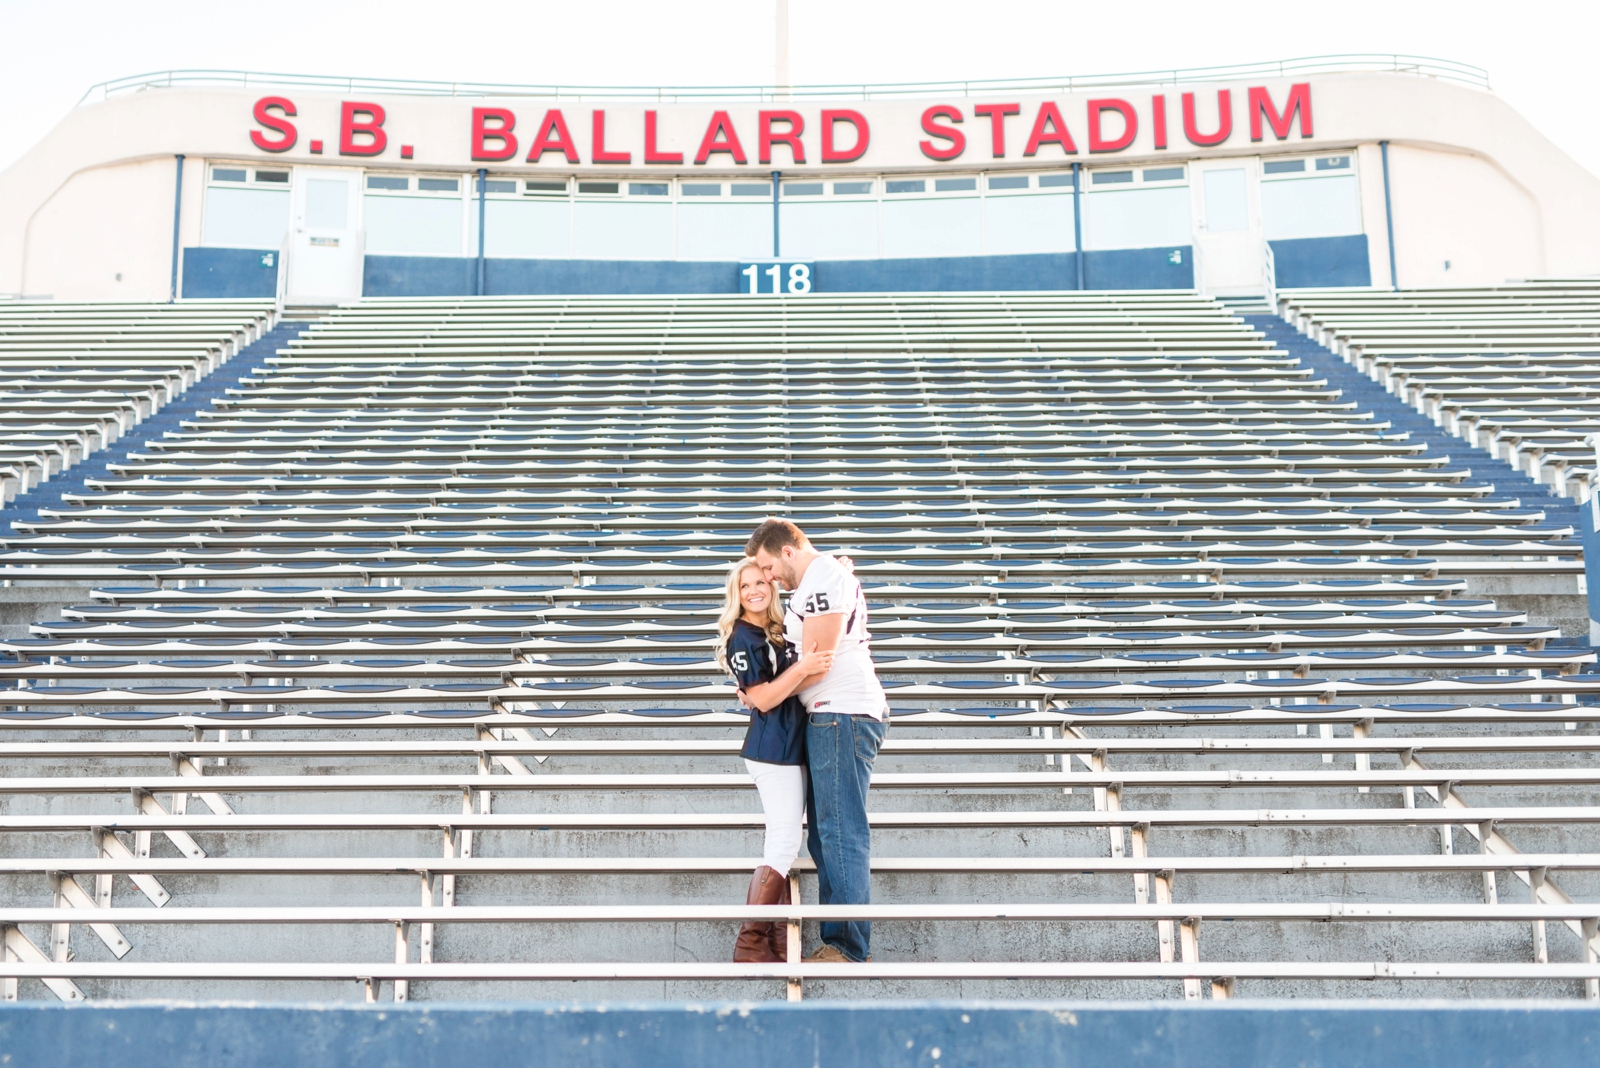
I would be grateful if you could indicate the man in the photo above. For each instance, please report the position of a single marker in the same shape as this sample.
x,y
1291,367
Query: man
x,y
848,717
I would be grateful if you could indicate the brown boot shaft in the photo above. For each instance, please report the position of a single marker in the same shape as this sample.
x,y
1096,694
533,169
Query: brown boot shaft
x,y
754,945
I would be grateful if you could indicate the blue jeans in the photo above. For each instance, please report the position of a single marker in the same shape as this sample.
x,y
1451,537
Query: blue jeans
x,y
839,752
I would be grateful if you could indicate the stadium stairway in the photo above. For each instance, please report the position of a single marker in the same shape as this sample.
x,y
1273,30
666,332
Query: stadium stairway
x,y
20,607
1189,696
1566,610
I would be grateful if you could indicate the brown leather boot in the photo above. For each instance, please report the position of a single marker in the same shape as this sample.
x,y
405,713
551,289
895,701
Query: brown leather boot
x,y
754,945
778,937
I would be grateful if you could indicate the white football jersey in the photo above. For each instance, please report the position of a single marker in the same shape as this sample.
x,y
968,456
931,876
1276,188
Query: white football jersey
x,y
851,686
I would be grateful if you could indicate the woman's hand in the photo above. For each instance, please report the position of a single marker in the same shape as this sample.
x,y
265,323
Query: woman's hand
x,y
815,661
847,563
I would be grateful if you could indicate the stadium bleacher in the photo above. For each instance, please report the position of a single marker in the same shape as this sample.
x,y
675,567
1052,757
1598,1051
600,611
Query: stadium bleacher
x,y
76,377
1513,370
392,671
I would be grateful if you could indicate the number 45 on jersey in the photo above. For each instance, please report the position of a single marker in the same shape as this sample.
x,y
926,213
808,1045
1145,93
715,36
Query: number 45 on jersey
x,y
775,279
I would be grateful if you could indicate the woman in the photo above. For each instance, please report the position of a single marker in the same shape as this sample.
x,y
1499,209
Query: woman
x,y
750,647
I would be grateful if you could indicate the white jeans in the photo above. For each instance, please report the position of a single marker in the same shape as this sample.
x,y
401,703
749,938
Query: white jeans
x,y
783,799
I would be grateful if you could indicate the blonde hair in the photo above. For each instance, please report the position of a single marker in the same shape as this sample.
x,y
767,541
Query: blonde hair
x,y
732,611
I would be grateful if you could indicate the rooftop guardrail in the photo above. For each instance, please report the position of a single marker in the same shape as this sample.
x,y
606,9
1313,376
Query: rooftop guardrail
x,y
1424,66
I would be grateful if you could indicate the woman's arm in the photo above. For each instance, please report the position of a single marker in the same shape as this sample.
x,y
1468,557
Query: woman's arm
x,y
765,696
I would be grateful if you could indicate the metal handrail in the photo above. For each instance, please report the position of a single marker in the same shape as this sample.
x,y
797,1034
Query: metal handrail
x,y
1356,62
1269,274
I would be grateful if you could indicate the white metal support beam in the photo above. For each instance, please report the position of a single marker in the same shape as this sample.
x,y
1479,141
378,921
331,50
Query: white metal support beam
x,y
498,734
9,983
402,953
1590,935
19,947
186,767
110,847
1541,944
70,895
1493,841
1189,944
792,949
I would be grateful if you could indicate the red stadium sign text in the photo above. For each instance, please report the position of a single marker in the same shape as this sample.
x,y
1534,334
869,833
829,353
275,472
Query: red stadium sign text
x,y
830,135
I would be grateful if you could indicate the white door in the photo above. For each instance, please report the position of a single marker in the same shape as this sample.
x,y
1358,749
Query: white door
x,y
325,246
1230,250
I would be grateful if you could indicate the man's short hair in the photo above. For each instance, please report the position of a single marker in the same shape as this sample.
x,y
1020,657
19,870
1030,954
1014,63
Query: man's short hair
x,y
773,535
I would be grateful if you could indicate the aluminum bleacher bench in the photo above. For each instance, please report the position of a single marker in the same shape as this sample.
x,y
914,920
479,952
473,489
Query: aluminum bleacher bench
x,y
1477,361
391,674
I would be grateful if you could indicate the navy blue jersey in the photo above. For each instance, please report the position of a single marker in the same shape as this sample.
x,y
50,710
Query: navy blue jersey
x,y
777,736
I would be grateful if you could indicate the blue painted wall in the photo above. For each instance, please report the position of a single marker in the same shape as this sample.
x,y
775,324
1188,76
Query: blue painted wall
x,y
420,276
1413,1034
229,272
935,274
1318,261
510,276
1322,261
1139,268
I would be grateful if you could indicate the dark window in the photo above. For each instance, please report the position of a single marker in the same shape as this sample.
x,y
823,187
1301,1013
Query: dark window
x,y
954,185
598,187
1047,180
905,185
273,176
492,186
1111,177
439,185
1013,181
545,187
648,189
219,174
750,189
1334,163
1164,174
375,181
802,189
701,189
849,189
1283,166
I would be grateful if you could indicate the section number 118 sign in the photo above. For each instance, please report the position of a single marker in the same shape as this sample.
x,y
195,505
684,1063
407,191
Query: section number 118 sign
x,y
774,279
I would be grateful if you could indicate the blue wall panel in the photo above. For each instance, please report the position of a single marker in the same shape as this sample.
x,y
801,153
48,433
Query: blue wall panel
x,y
1139,268
512,276
428,276
229,272
1413,1034
418,276
1322,261
934,274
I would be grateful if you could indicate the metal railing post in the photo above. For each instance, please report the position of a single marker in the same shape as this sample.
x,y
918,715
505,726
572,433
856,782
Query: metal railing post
x,y
483,179
1077,219
777,245
1388,214
1421,66
177,220
1269,274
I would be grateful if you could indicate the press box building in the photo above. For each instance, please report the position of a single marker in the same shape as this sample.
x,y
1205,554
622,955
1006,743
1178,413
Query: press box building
x,y
1347,172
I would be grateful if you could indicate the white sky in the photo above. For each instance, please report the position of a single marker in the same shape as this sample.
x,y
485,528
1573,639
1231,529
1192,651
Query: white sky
x,y
1539,53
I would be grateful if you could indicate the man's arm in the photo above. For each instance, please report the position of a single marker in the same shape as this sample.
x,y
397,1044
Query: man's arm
x,y
765,696
821,633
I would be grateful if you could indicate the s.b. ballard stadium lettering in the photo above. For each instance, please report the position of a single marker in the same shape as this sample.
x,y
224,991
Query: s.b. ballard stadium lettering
x,y
841,135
